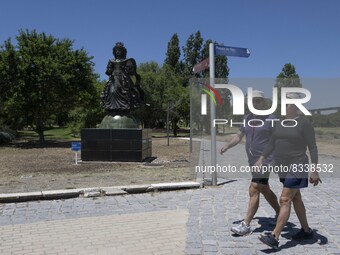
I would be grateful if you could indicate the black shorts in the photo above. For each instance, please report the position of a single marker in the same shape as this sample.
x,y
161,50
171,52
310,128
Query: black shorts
x,y
263,181
261,178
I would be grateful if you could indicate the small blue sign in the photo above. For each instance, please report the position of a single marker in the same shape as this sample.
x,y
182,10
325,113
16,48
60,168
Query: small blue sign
x,y
76,146
221,50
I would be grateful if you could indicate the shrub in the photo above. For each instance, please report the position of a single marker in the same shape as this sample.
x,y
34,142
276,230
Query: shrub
x,y
6,135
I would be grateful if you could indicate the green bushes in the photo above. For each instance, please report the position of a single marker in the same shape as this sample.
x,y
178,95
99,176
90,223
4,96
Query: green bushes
x,y
6,135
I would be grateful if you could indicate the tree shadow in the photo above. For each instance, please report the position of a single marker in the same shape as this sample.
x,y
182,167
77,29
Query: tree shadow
x,y
35,144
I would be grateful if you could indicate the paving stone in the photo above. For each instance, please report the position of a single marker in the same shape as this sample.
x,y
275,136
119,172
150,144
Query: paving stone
x,y
210,215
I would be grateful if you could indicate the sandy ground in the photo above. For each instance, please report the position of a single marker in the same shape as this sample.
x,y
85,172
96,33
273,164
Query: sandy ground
x,y
30,169
330,148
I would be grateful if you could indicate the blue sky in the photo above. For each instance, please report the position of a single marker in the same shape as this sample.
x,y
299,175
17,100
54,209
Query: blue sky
x,y
305,33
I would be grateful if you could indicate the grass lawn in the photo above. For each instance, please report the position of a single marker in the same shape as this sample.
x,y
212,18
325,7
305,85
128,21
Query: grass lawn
x,y
65,133
57,133
328,133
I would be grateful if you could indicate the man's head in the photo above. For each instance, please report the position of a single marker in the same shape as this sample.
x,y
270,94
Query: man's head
x,y
292,109
258,99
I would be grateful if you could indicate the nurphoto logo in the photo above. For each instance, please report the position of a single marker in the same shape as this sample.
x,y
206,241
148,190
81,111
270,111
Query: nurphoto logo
x,y
239,103
238,100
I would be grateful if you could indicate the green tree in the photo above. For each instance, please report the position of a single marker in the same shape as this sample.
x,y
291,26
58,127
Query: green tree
x,y
177,95
46,77
88,111
221,62
151,115
173,53
9,64
192,52
163,85
288,77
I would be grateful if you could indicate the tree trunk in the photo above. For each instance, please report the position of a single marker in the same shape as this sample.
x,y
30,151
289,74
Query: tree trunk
x,y
41,136
174,126
40,130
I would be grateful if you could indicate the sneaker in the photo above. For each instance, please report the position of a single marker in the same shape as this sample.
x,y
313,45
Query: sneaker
x,y
242,229
238,221
270,240
302,235
272,222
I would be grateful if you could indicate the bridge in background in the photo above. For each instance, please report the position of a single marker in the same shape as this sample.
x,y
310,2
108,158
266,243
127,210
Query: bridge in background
x,y
319,110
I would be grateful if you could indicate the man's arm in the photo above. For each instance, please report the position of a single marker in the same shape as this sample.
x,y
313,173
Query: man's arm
x,y
234,141
309,136
267,151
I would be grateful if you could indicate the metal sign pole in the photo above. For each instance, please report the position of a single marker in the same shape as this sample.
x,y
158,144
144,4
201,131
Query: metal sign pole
x,y
191,121
167,122
76,146
212,113
76,158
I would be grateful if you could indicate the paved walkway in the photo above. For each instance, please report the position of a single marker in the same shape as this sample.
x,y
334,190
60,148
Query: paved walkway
x,y
177,222
112,234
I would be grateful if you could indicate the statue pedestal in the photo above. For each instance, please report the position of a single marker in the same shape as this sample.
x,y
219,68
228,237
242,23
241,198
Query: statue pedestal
x,y
119,121
119,144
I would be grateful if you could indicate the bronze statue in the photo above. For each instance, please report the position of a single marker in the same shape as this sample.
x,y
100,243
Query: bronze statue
x,y
121,95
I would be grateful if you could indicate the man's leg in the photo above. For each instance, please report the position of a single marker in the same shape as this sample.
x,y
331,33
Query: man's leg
x,y
254,201
300,211
286,199
254,196
270,196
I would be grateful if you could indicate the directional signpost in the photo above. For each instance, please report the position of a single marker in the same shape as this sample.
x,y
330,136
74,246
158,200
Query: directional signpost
x,y
76,146
219,50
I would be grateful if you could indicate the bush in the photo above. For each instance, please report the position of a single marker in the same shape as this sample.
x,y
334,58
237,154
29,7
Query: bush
x,y
6,135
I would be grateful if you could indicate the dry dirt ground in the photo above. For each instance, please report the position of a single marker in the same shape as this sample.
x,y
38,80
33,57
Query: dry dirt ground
x,y
26,167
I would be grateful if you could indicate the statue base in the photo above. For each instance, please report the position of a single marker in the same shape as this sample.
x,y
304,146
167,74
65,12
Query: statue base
x,y
116,144
119,121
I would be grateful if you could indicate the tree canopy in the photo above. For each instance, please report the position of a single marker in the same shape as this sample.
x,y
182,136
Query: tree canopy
x,y
173,52
40,77
288,77
46,81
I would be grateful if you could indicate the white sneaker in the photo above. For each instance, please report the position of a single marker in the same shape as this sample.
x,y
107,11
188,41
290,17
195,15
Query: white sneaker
x,y
242,229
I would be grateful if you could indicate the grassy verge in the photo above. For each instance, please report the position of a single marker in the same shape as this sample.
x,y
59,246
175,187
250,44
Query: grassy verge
x,y
65,133
57,133
328,133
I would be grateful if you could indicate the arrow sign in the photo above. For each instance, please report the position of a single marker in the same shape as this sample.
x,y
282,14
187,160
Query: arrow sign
x,y
201,66
221,50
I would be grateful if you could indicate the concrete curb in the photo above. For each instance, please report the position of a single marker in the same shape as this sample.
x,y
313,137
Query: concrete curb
x,y
94,192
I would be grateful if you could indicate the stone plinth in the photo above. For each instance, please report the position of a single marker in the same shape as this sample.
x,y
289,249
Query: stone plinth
x,y
122,144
